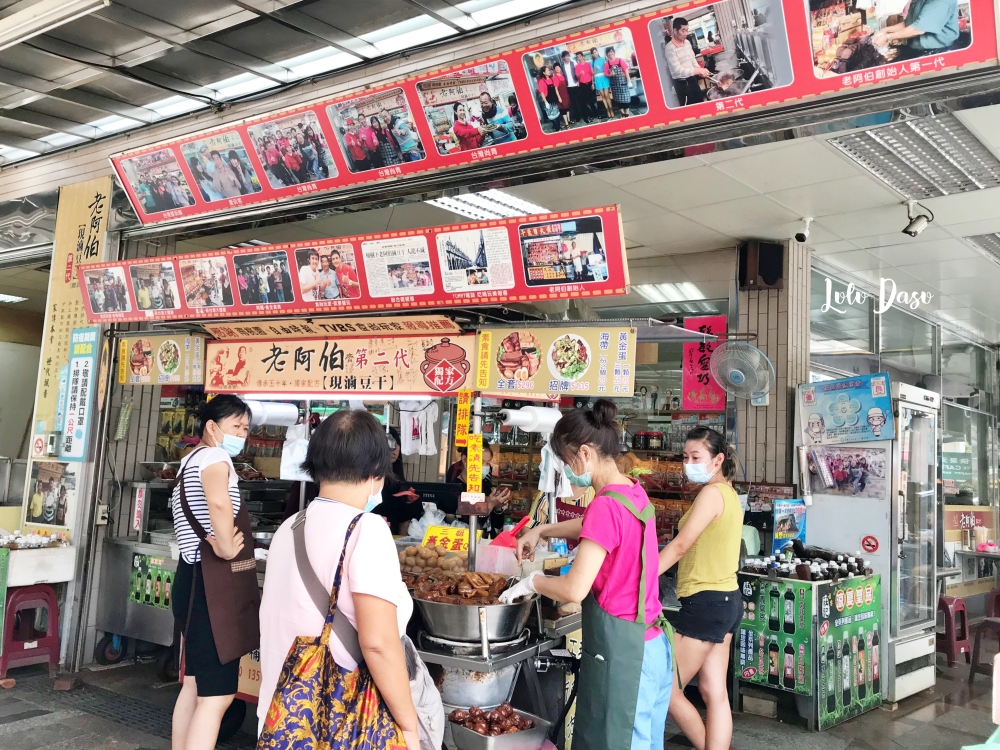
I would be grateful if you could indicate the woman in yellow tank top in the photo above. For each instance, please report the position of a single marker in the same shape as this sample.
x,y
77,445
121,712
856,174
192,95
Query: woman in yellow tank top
x,y
707,552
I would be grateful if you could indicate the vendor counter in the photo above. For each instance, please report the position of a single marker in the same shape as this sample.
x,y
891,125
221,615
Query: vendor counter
x,y
136,589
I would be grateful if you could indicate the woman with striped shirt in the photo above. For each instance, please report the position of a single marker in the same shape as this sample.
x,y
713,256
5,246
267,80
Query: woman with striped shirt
x,y
212,492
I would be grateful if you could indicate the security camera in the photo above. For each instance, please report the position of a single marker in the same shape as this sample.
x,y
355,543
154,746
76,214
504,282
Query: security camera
x,y
804,234
918,221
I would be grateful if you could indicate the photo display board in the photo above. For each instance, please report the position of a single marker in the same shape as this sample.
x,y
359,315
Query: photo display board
x,y
563,255
647,71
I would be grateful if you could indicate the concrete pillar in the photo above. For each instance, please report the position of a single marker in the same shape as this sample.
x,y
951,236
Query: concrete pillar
x,y
780,318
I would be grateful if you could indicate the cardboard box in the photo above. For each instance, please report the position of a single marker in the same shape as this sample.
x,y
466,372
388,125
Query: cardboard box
x,y
269,467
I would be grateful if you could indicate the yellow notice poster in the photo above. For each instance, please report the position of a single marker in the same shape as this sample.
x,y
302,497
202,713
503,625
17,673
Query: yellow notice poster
x,y
81,228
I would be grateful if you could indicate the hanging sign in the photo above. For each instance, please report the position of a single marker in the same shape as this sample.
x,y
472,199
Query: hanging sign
x,y
699,390
297,328
156,360
550,362
789,523
79,394
405,366
474,466
573,254
462,418
633,76
453,539
846,411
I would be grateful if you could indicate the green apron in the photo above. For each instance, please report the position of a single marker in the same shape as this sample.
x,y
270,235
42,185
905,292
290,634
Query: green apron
x,y
611,667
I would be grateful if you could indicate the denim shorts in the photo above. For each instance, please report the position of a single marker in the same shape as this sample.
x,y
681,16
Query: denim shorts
x,y
710,615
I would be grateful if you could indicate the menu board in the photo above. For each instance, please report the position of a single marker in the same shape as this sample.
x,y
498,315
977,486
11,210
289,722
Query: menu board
x,y
631,78
552,362
430,365
158,360
576,254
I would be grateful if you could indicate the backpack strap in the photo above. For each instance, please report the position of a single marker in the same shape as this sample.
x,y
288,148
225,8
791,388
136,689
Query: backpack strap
x,y
193,522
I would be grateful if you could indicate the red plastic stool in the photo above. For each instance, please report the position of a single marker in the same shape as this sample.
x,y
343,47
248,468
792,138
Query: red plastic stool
x,y
955,639
993,603
22,644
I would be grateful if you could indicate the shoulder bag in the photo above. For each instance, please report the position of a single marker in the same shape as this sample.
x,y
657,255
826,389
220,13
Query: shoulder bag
x,y
231,587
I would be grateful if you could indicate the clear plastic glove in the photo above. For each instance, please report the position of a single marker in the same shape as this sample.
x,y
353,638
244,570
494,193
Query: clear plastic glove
x,y
524,587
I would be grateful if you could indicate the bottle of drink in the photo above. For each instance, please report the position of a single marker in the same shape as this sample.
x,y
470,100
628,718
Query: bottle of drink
x,y
149,588
788,675
157,584
831,677
862,673
846,672
773,618
789,617
876,686
773,671
166,591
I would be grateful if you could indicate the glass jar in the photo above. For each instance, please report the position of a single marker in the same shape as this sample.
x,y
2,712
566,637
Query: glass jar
x,y
655,441
640,441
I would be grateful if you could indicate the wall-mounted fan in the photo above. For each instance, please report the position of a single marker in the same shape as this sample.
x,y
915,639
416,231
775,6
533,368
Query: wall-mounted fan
x,y
743,370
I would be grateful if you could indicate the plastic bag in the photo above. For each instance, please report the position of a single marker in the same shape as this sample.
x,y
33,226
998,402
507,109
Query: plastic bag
x,y
432,517
293,453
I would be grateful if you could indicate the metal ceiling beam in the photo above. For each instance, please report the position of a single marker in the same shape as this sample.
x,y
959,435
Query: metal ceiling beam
x,y
313,27
441,13
28,144
181,39
105,64
50,122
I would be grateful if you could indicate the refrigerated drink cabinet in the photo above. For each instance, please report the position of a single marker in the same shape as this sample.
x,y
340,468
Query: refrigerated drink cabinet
x,y
877,495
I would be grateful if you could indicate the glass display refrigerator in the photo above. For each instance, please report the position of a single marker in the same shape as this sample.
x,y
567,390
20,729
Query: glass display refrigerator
x,y
877,495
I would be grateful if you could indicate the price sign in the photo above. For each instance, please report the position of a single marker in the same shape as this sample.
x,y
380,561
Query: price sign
x,y
462,418
474,464
451,538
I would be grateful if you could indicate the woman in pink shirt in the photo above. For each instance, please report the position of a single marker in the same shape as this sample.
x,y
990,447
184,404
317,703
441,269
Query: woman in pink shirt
x,y
563,88
626,674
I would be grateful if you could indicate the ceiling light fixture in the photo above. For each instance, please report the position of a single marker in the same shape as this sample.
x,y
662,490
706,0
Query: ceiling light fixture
x,y
987,244
11,299
683,291
43,16
924,157
489,204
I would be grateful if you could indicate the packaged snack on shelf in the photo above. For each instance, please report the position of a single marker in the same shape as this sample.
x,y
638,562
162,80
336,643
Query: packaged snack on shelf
x,y
505,466
674,473
521,466
536,467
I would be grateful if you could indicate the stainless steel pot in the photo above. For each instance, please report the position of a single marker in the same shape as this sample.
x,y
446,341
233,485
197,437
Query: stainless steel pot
x,y
466,687
460,622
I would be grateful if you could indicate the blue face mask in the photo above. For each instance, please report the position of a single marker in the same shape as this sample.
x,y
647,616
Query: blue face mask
x,y
374,499
579,480
697,473
233,445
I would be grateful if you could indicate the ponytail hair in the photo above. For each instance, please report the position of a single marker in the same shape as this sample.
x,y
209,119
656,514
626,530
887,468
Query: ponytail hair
x,y
716,444
596,427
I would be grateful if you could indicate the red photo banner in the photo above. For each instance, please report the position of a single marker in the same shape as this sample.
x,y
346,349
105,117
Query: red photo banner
x,y
682,63
525,259
699,390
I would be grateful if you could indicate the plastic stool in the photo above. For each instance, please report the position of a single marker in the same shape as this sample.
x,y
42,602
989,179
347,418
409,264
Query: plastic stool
x,y
993,603
955,638
986,625
22,644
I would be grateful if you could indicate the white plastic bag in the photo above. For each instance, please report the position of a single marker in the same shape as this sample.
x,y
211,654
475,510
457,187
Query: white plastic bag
x,y
293,453
432,517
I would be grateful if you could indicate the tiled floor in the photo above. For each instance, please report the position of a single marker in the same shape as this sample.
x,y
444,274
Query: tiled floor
x,y
129,709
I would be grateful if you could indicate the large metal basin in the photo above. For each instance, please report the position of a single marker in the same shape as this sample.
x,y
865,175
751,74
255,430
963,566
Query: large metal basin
x,y
460,622
529,739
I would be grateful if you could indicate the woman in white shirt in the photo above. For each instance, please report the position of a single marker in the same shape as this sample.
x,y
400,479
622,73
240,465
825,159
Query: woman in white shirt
x,y
348,457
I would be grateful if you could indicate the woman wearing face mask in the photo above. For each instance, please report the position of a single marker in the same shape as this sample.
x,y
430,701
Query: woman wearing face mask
x,y
213,497
349,457
707,547
626,673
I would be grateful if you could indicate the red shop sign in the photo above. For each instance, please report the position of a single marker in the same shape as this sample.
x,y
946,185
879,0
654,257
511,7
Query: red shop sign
x,y
506,105
699,390
531,258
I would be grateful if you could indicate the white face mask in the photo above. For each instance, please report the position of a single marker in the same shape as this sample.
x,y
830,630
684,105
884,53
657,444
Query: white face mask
x,y
374,499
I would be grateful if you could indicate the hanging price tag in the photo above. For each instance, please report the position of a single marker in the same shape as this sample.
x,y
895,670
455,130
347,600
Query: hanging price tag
x,y
462,418
474,464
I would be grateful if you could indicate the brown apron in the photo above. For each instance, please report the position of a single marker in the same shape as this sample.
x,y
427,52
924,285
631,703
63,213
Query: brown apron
x,y
231,588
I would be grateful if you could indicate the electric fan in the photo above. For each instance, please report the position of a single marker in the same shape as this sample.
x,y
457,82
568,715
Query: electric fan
x,y
742,370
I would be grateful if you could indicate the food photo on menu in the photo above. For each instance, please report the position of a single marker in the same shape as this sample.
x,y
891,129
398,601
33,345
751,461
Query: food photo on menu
x,y
206,282
157,181
376,131
475,260
398,266
472,108
155,286
564,252
106,290
263,278
293,149
722,50
856,35
327,272
586,81
220,166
